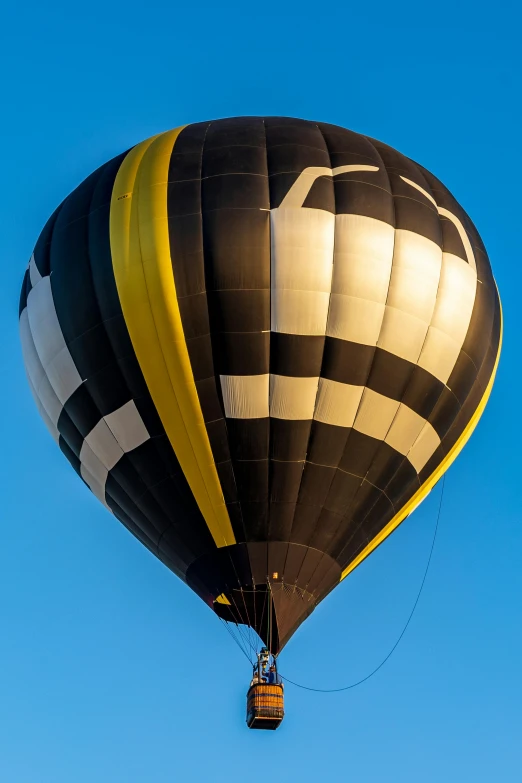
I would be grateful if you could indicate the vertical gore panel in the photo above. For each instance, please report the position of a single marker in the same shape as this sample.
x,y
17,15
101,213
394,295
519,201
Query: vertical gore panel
x,y
236,242
147,291
188,262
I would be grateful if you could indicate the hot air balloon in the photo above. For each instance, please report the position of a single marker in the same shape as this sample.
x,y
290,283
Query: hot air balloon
x,y
260,342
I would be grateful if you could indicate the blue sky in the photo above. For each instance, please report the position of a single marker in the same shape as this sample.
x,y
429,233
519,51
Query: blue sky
x,y
111,669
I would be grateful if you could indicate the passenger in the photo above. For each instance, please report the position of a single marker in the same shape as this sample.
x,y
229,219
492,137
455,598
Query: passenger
x,y
258,677
273,678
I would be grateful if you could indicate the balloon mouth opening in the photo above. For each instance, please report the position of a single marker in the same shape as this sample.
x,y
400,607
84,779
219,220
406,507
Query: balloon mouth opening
x,y
253,607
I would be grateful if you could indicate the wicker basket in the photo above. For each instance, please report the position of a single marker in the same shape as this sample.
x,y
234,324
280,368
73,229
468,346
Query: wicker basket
x,y
265,706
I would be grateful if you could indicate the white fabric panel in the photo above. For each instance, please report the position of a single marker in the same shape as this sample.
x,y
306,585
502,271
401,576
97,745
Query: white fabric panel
x,y
292,398
245,396
421,190
299,312
297,194
415,274
49,400
451,318
470,255
45,396
46,331
456,297
302,186
361,275
63,375
439,354
302,244
375,414
49,341
104,445
402,334
357,320
33,365
95,483
414,282
43,413
127,426
337,403
424,447
363,257
93,464
34,274
101,450
405,429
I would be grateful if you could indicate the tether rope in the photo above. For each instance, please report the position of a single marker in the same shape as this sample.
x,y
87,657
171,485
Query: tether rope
x,y
364,679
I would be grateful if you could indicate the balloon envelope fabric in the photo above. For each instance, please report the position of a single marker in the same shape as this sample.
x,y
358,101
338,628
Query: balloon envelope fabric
x,y
260,342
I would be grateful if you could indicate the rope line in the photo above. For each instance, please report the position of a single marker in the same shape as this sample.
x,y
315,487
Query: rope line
x,y
364,679
229,630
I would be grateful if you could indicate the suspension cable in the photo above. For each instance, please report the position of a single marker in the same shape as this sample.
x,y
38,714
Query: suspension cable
x,y
364,679
229,630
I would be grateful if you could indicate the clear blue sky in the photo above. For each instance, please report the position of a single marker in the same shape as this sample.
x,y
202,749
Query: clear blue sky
x,y
107,669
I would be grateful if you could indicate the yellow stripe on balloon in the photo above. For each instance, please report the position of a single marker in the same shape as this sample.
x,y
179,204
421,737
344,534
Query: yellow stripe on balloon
x,y
146,286
428,485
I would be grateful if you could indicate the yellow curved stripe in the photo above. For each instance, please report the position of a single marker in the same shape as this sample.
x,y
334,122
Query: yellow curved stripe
x,y
146,286
428,485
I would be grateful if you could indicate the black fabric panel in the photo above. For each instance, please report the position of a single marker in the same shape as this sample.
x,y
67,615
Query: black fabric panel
x,y
327,443
295,156
248,438
71,280
281,520
289,439
279,185
71,454
236,131
232,158
42,255
421,392
477,338
348,146
451,241
218,437
361,198
241,353
252,480
305,521
315,484
236,248
294,560
69,434
403,485
26,287
385,465
359,453
296,355
199,305
341,494
347,362
285,481
321,195
445,200
81,410
137,526
444,412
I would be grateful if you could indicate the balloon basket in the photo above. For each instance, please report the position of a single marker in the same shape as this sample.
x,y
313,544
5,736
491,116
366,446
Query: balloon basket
x,y
265,706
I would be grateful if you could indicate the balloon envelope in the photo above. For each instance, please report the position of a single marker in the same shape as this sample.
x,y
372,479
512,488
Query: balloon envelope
x,y
260,342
